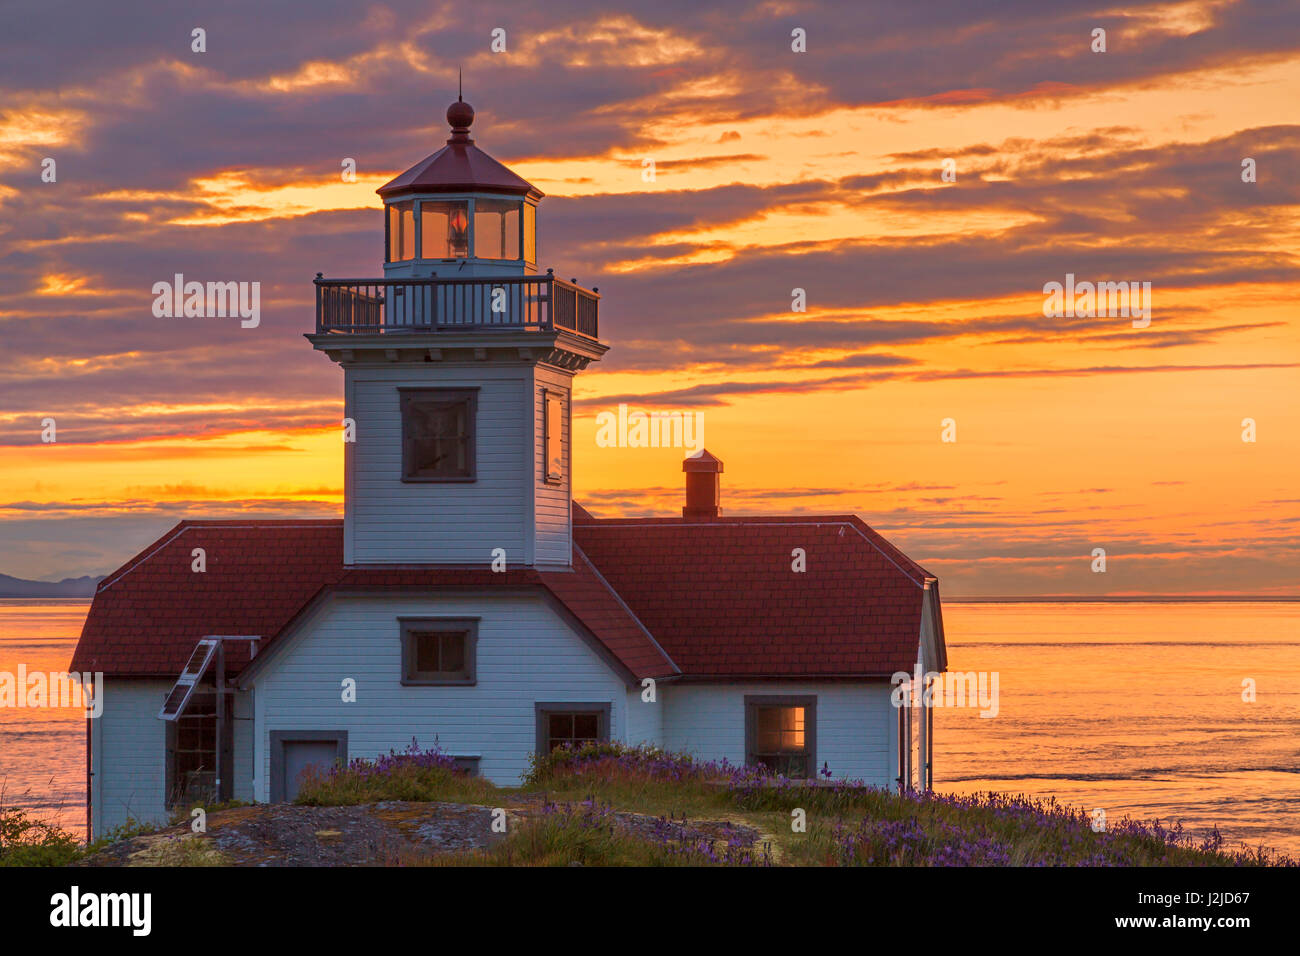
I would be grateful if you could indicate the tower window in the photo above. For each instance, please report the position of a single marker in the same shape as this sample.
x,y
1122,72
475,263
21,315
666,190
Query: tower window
x,y
438,426
496,229
554,436
444,229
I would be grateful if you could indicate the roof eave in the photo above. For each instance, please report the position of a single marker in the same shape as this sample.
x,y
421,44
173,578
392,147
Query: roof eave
x,y
416,189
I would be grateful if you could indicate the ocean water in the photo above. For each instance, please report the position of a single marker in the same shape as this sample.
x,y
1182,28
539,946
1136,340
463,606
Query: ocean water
x,y
43,750
1133,708
1136,709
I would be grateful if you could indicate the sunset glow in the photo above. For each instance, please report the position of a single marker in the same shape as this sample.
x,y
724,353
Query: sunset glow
x,y
772,172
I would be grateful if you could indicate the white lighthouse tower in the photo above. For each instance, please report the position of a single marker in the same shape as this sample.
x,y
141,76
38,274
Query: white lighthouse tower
x,y
458,368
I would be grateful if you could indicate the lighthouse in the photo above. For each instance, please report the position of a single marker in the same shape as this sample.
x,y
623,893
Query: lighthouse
x,y
458,367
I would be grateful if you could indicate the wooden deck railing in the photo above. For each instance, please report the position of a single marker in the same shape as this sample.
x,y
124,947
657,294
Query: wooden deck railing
x,y
529,303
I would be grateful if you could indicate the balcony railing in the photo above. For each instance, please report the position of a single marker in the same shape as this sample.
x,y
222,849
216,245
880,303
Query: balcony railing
x,y
512,303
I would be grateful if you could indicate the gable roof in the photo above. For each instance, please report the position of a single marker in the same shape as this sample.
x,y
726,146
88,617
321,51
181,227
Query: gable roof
x,y
722,599
147,615
657,597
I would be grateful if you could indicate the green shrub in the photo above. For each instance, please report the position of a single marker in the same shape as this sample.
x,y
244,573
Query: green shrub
x,y
412,775
28,842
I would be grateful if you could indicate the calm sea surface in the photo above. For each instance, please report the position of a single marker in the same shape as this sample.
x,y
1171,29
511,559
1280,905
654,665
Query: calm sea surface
x,y
1135,708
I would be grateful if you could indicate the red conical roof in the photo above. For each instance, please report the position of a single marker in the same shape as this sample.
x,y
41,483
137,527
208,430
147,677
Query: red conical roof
x,y
460,166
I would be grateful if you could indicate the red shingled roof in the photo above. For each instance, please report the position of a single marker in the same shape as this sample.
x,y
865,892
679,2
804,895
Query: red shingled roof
x,y
720,596
590,599
662,596
458,167
147,615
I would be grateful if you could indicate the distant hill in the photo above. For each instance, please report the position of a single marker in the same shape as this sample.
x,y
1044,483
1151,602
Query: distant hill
x,y
11,587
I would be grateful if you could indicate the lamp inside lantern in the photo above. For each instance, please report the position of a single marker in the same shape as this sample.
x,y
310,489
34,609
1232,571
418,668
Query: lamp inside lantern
x,y
458,231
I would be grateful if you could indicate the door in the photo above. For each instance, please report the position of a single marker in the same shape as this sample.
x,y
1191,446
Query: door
x,y
301,754
293,751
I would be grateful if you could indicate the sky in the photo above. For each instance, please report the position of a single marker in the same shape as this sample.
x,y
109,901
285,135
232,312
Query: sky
x,y
922,171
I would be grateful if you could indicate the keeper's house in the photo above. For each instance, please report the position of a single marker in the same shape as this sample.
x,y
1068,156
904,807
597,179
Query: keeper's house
x,y
464,598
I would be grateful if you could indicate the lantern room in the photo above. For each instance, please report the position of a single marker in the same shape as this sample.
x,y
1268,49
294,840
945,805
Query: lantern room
x,y
459,214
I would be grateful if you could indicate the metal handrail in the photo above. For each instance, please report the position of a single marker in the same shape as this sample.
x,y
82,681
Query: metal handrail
x,y
528,303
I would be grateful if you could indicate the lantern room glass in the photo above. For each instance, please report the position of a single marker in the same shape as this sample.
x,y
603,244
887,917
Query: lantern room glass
x,y
530,233
401,231
496,229
444,229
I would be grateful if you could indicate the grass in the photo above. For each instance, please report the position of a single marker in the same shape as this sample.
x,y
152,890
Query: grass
x,y
28,842
612,805
590,834
179,851
840,823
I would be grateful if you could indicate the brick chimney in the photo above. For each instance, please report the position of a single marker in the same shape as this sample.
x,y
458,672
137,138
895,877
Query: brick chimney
x,y
702,485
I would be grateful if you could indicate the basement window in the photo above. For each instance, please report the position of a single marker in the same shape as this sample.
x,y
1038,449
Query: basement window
x,y
572,725
781,734
438,427
439,650
467,763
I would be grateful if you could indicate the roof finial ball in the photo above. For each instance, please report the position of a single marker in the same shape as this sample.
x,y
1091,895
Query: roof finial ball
x,y
459,116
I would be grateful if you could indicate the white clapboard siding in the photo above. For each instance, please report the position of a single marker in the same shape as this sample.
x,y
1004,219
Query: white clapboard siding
x,y
526,654
645,719
391,521
244,735
855,724
130,750
552,499
129,754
